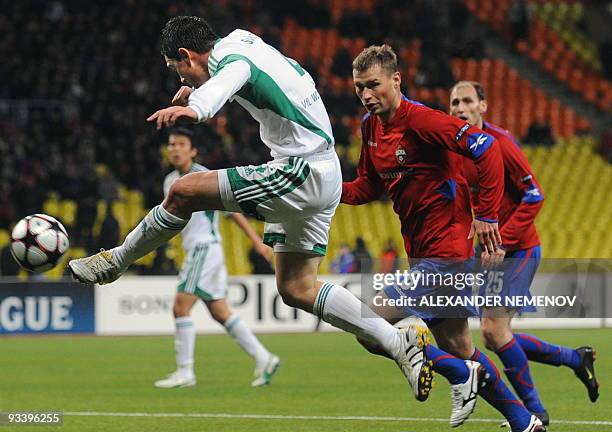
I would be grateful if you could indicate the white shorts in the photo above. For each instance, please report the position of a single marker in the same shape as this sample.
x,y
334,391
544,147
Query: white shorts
x,y
203,273
297,197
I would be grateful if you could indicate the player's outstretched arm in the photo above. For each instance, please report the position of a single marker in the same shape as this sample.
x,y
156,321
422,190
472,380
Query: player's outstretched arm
x,y
250,232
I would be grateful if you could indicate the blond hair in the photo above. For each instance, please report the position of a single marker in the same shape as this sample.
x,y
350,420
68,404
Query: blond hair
x,y
376,55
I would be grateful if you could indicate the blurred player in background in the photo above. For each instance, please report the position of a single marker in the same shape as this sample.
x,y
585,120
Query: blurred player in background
x,y
296,193
521,203
414,154
204,276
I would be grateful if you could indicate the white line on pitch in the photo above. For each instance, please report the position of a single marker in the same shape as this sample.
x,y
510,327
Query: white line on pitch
x,y
298,417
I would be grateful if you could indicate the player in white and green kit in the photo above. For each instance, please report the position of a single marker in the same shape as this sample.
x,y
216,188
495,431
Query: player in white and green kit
x,y
296,193
204,276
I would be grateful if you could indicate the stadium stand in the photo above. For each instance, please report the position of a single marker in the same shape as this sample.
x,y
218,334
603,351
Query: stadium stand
x,y
86,103
554,42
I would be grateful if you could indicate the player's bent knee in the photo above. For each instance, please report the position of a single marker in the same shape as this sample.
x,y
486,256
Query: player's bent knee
x,y
182,305
219,317
294,297
178,200
491,336
180,310
220,314
194,192
459,346
289,298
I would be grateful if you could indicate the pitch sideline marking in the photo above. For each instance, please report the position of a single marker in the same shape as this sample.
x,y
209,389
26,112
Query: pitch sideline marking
x,y
300,417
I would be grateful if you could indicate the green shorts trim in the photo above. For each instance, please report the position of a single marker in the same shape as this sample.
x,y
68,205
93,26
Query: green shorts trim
x,y
197,292
271,239
254,187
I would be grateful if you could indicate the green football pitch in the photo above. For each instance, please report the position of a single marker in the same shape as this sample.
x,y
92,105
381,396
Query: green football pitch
x,y
326,383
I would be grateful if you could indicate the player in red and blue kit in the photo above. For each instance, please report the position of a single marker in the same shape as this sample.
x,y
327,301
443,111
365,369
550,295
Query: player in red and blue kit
x,y
522,200
415,155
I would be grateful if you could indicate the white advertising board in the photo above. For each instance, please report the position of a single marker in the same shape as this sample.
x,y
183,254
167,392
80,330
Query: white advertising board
x,y
140,305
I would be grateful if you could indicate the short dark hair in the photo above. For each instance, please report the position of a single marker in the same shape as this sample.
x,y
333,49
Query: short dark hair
x,y
181,130
480,91
381,55
190,32
184,131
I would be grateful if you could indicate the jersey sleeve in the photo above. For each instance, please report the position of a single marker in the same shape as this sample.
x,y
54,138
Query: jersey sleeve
x,y
210,97
519,172
437,128
367,186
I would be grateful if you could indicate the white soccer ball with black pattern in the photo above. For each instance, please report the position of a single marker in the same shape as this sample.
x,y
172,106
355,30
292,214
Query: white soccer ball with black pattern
x,y
38,242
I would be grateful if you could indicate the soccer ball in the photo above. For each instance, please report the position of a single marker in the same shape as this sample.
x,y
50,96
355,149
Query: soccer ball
x,y
38,242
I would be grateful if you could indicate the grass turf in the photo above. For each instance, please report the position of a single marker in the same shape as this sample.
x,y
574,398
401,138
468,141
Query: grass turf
x,y
321,375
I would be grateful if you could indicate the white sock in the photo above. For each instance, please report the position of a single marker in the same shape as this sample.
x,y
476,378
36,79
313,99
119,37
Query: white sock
x,y
337,306
157,227
244,337
184,344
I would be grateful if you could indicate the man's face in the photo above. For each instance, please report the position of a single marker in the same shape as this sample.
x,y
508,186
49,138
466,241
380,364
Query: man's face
x,y
189,70
464,104
180,150
378,89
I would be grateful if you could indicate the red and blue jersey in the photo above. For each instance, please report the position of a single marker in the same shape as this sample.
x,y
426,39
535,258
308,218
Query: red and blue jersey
x,y
523,197
417,159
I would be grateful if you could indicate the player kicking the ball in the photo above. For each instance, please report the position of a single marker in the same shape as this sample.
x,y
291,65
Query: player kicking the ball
x,y
521,203
415,155
204,276
296,193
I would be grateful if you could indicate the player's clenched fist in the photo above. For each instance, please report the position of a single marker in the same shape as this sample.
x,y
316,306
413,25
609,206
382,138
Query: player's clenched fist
x,y
182,96
167,117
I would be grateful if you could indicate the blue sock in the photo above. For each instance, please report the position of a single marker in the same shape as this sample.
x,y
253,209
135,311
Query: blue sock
x,y
543,352
450,367
516,367
499,396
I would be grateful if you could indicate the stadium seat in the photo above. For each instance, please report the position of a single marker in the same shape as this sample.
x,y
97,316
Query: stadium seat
x,y
513,102
5,238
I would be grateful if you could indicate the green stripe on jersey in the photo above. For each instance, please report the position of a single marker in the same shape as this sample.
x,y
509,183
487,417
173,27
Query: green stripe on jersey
x,y
264,93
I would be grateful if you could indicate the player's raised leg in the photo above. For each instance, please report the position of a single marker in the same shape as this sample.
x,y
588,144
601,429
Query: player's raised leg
x,y
580,360
266,363
184,343
192,192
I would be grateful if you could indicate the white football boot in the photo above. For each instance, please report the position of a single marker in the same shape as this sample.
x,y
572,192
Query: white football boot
x,y
464,395
264,372
413,362
176,379
535,425
100,268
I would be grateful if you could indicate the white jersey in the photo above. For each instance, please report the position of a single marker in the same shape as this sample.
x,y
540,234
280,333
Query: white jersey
x,y
203,227
276,91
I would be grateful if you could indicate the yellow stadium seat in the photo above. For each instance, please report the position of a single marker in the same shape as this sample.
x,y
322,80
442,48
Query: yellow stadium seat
x,y
68,212
5,238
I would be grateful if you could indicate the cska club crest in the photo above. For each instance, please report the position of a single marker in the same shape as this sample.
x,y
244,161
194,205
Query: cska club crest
x,y
400,155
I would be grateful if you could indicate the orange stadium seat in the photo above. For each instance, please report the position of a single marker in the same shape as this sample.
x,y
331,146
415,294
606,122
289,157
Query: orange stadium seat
x,y
554,43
